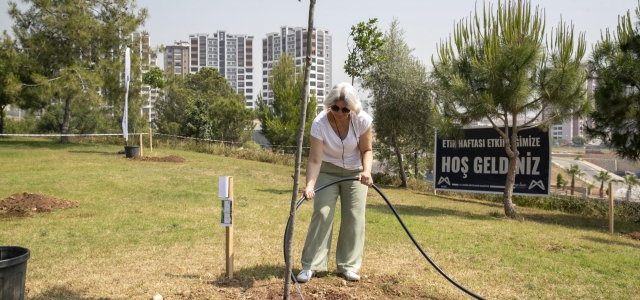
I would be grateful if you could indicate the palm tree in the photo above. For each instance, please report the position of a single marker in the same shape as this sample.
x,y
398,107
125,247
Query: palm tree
x,y
590,186
573,171
630,181
602,177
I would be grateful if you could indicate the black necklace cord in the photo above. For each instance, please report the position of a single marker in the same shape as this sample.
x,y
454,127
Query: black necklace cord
x,y
424,254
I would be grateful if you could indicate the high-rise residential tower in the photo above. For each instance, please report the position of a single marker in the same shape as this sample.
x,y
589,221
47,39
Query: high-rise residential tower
x,y
293,40
230,54
176,59
148,60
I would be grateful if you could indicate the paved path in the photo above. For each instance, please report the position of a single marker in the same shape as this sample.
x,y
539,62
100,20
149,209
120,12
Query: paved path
x,y
590,169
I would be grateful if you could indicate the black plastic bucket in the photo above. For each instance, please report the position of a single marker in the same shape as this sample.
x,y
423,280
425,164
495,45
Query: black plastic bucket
x,y
132,151
13,272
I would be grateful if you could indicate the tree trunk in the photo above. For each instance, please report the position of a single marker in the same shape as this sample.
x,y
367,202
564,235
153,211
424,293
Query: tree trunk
x,y
415,164
299,140
2,119
602,189
509,210
396,149
572,183
66,121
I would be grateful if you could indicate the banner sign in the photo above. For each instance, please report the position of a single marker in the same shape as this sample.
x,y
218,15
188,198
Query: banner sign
x,y
127,77
479,163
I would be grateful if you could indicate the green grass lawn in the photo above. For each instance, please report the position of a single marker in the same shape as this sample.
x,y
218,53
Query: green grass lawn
x,y
146,228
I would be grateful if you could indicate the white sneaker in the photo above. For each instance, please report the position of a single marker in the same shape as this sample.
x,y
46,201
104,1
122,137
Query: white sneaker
x,y
304,276
351,276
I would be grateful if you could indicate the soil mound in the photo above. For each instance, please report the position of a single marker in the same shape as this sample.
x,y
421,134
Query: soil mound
x,y
170,158
25,204
633,235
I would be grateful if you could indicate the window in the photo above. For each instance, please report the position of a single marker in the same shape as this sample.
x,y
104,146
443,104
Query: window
x,y
249,90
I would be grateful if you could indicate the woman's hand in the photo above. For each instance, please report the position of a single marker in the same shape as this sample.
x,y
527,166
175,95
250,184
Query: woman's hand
x,y
308,192
365,178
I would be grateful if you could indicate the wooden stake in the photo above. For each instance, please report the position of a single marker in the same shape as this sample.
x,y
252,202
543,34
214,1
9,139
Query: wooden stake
x,y
141,144
611,208
229,248
150,140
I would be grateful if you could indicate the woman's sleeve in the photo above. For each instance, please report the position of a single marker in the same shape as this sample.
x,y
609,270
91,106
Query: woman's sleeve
x,y
316,130
365,122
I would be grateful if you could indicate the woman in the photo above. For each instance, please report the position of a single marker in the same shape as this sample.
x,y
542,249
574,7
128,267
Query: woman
x,y
340,148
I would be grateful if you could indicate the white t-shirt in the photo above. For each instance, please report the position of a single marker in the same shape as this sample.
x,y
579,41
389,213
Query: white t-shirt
x,y
333,148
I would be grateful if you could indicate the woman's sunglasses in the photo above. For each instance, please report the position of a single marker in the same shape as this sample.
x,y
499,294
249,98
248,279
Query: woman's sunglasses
x,y
336,109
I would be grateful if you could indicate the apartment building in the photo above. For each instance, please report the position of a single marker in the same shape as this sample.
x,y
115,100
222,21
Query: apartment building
x,y
230,54
148,60
293,41
562,133
176,59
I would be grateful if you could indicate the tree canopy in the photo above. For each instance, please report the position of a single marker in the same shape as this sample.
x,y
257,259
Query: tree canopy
x,y
498,66
280,120
403,114
10,84
364,50
203,105
67,44
615,67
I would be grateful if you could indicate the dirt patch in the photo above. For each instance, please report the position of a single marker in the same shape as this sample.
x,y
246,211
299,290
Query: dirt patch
x,y
170,158
25,204
322,287
633,235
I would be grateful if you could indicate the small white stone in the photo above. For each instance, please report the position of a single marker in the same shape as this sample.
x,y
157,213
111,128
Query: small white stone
x,y
157,297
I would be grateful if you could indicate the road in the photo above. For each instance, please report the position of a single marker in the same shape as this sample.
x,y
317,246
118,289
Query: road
x,y
590,169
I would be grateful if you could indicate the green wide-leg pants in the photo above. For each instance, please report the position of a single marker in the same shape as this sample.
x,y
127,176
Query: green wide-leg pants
x,y
353,197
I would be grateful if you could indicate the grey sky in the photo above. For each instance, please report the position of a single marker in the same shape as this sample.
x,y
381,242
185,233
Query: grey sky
x,y
425,22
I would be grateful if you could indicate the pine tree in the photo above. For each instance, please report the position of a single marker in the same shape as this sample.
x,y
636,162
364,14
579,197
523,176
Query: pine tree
x,y
615,66
68,43
495,67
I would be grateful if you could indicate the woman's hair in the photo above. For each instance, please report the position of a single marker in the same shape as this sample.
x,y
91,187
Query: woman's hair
x,y
347,93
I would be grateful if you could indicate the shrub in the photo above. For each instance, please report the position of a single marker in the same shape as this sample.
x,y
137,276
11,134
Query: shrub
x,y
381,178
559,180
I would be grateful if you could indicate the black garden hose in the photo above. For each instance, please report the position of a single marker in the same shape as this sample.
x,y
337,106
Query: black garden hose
x,y
286,234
